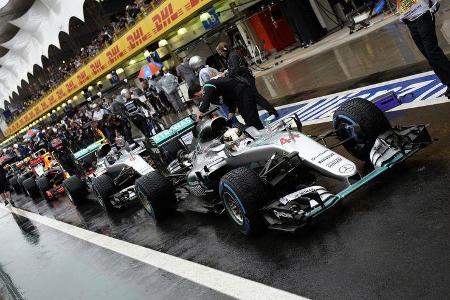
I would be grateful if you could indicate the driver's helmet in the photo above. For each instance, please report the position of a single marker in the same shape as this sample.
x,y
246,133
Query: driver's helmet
x,y
232,135
120,142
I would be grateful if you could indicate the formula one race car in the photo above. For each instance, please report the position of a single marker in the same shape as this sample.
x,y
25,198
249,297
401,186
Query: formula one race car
x,y
47,176
279,177
112,179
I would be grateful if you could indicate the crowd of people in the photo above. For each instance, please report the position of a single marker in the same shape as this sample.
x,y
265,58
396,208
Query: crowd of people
x,y
144,103
142,106
59,71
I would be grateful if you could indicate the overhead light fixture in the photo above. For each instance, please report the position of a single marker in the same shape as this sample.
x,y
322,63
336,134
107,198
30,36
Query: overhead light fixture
x,y
132,62
162,43
70,100
147,53
205,16
64,105
53,111
48,115
182,31
109,76
90,88
58,108
119,71
82,92
99,82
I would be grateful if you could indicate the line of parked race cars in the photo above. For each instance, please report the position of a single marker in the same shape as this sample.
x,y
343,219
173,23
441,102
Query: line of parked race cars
x,y
277,178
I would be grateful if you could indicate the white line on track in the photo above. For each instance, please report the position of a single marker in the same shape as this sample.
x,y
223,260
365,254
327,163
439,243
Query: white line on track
x,y
222,282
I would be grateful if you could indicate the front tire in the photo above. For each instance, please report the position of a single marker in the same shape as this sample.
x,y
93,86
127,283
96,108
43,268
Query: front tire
x,y
104,188
364,121
243,193
30,187
156,194
43,185
14,183
76,189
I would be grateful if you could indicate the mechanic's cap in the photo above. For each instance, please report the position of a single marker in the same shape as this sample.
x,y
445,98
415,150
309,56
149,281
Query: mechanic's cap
x,y
195,62
222,46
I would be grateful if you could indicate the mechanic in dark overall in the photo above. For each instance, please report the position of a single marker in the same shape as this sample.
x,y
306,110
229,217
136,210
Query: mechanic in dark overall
x,y
60,148
419,16
238,69
133,108
235,94
121,119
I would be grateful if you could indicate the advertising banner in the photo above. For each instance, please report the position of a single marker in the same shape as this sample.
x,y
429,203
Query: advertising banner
x,y
150,28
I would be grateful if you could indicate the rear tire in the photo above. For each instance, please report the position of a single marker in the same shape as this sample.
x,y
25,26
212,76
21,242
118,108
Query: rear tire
x,y
104,188
76,189
30,187
371,121
20,181
156,194
243,194
14,183
43,185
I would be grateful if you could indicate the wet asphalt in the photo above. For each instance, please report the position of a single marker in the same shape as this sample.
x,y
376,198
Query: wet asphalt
x,y
389,240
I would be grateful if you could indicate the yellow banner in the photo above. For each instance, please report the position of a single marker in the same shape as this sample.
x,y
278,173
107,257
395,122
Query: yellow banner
x,y
150,28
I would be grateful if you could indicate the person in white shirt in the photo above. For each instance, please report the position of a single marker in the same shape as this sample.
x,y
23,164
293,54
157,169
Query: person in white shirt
x,y
419,16
98,113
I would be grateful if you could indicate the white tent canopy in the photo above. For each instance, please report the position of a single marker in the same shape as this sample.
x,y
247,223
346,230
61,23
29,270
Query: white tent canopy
x,y
39,28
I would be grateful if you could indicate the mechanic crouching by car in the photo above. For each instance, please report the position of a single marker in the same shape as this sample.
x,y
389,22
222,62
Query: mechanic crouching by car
x,y
238,69
235,94
133,108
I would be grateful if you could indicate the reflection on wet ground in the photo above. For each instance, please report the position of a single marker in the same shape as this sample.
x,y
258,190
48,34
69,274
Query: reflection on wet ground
x,y
389,240
381,55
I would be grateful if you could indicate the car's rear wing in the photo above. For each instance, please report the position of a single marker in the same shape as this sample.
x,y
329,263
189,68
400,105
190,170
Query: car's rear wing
x,y
79,155
164,146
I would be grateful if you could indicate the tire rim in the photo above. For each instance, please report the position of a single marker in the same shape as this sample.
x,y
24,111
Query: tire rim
x,y
145,203
357,144
234,208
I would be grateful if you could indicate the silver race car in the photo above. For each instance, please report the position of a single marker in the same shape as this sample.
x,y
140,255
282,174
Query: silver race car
x,y
110,174
278,177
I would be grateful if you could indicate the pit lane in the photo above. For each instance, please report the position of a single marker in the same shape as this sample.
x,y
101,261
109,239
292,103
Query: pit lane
x,y
388,240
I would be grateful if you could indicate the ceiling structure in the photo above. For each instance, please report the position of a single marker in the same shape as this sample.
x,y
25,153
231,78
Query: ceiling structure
x,y
36,26
57,29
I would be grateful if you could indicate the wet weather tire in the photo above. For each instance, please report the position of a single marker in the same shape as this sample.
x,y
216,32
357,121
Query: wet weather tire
x,y
370,121
43,185
20,180
243,193
156,194
104,189
14,183
76,189
30,187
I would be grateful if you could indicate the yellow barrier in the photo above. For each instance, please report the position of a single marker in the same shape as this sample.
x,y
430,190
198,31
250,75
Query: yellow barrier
x,y
150,28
